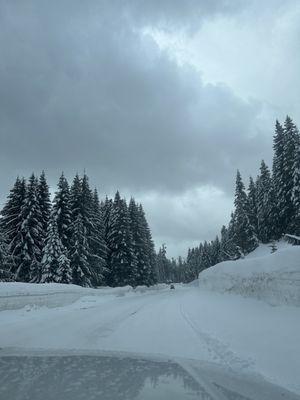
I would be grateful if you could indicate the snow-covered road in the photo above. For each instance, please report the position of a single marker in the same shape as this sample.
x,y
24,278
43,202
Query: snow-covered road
x,y
241,334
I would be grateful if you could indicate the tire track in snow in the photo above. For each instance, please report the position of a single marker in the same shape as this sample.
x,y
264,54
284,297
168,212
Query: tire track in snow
x,y
106,329
219,351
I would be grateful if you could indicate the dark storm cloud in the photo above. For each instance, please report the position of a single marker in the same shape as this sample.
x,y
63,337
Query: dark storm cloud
x,y
83,85
82,88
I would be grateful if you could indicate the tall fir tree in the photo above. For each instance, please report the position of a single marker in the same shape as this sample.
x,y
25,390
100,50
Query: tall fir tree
x,y
82,273
163,265
294,226
44,203
28,243
5,264
11,213
245,238
61,210
106,210
278,171
122,260
149,246
267,214
79,251
285,188
98,246
139,243
55,265
252,204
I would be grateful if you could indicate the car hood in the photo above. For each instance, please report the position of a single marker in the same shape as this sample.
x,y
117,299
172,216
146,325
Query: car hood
x,y
59,374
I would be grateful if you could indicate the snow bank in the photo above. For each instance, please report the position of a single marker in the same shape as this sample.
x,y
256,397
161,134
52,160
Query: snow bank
x,y
15,295
274,278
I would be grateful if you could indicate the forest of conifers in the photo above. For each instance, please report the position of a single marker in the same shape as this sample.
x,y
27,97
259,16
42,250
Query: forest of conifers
x,y
76,238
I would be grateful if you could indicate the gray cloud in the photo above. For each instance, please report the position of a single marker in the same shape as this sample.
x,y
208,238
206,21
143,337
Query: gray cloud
x,y
82,87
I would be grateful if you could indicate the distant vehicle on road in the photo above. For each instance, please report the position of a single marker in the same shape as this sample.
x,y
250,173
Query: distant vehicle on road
x,y
172,287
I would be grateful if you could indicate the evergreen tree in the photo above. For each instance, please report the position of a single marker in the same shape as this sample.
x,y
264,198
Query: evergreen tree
x,y
5,263
142,245
44,203
285,204
122,260
215,251
245,238
294,226
79,248
106,208
206,260
11,213
252,204
138,244
82,274
55,265
149,247
27,244
278,172
266,206
75,200
163,265
61,210
98,248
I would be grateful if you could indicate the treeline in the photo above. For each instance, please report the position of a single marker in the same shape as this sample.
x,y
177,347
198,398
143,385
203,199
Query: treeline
x,y
78,239
75,238
269,208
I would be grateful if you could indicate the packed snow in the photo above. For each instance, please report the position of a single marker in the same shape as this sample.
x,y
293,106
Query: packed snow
x,y
238,333
274,278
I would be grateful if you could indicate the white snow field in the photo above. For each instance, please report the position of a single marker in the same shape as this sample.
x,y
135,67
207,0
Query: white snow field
x,y
239,333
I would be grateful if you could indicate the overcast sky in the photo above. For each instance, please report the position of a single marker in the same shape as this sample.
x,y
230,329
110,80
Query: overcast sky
x,y
162,100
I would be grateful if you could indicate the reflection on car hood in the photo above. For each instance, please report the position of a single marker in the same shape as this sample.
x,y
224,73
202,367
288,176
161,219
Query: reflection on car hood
x,y
47,375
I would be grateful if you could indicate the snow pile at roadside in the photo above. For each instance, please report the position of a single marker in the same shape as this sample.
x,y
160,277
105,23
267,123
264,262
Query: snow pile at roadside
x,y
15,295
274,278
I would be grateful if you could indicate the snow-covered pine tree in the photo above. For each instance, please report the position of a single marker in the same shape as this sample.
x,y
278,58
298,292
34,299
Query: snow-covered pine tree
x,y
163,265
245,238
224,255
122,260
278,173
252,204
5,260
192,264
215,251
266,206
139,244
10,222
98,248
228,249
61,210
44,203
234,251
82,273
106,211
79,251
106,208
75,198
285,206
55,265
149,246
206,260
28,243
294,226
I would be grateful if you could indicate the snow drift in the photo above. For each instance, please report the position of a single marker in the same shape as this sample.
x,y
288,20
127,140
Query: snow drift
x,y
274,278
15,295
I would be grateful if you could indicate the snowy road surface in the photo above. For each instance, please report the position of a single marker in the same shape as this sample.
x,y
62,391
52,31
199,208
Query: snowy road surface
x,y
242,334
